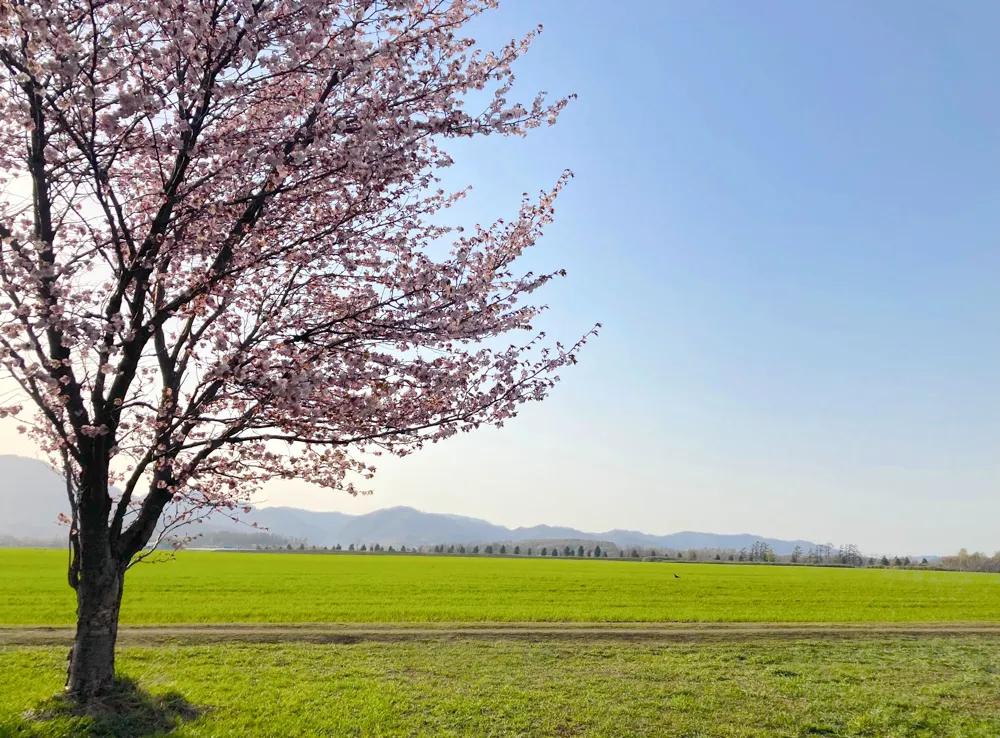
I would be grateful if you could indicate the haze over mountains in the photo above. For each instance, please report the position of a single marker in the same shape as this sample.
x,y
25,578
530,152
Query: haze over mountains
x,y
407,526
35,514
32,496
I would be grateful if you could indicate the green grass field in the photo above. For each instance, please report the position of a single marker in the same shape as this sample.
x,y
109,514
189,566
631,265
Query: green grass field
x,y
205,587
891,687
456,684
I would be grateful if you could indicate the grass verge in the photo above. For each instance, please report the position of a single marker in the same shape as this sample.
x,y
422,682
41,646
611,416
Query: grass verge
x,y
871,687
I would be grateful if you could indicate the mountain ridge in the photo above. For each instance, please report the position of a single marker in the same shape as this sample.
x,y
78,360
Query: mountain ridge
x,y
405,529
35,516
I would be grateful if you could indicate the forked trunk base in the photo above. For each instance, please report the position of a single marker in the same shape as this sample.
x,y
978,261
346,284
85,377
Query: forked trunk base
x,y
92,659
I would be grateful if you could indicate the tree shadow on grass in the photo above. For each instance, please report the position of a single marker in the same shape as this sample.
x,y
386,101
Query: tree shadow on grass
x,y
126,711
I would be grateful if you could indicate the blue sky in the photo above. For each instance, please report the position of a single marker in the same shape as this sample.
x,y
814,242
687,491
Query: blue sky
x,y
786,215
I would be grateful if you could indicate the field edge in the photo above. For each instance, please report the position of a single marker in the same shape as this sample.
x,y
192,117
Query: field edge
x,y
17,635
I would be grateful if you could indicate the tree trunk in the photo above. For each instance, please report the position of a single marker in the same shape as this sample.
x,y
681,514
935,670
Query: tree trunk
x,y
92,659
100,554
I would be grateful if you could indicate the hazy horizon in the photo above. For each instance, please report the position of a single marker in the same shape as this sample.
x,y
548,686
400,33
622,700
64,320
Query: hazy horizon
x,y
299,495
785,216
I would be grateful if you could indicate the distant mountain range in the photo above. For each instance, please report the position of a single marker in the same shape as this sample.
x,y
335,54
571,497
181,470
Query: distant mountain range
x,y
34,515
410,527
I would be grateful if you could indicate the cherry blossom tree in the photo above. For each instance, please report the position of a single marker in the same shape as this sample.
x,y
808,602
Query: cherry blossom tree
x,y
233,266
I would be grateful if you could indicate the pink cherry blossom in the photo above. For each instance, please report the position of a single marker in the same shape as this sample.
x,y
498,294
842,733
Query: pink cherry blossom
x,y
226,273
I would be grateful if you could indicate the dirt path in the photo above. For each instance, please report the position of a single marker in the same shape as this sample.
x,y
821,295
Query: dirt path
x,y
354,633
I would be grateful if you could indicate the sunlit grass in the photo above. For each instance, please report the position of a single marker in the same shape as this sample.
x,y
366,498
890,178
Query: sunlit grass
x,y
202,587
894,687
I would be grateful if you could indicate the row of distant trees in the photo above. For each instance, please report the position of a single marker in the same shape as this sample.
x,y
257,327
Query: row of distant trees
x,y
241,539
977,561
374,547
501,549
848,555
760,552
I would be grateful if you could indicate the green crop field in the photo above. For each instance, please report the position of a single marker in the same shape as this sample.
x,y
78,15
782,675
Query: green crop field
x,y
746,683
885,687
205,587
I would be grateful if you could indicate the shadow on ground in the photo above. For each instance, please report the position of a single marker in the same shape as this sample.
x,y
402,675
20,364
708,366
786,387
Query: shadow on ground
x,y
126,711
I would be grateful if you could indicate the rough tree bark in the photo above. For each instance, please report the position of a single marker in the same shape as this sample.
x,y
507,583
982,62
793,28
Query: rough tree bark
x,y
101,553
97,574
92,658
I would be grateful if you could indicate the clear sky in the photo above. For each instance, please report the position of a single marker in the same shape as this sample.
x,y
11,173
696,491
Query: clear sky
x,y
786,215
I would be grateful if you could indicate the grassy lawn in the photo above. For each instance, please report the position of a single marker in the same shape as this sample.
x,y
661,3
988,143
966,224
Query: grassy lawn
x,y
204,587
886,687
457,686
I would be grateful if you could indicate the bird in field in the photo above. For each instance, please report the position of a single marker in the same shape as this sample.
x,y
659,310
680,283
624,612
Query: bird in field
x,y
676,577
